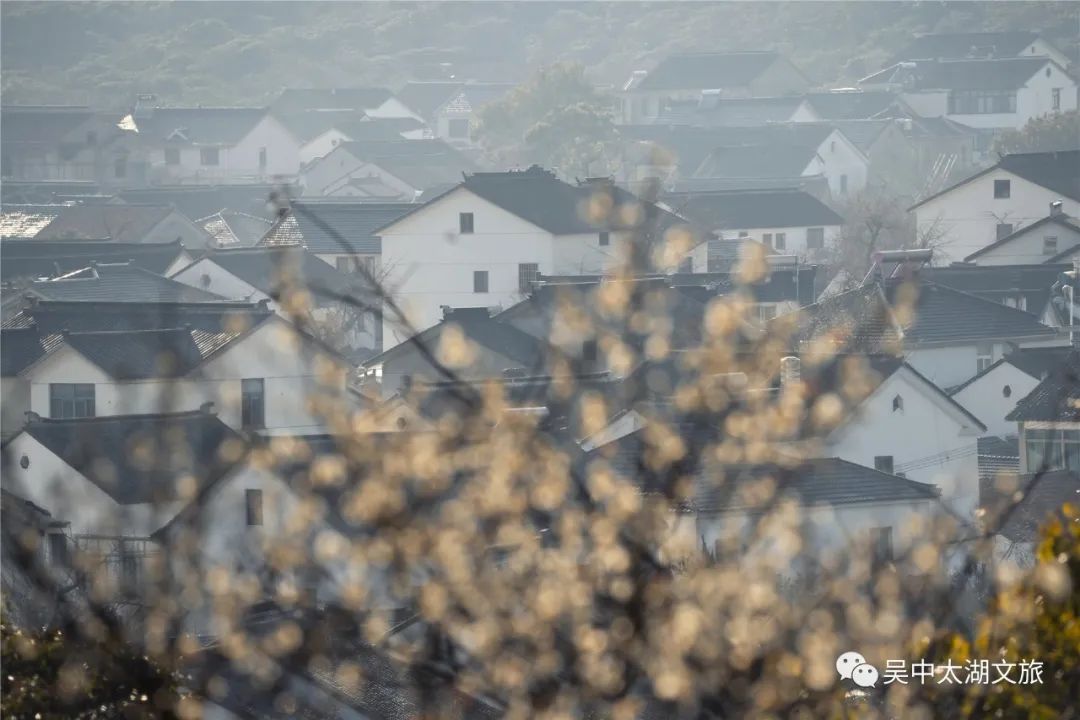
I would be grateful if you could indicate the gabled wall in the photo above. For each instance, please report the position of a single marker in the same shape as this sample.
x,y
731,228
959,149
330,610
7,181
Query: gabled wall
x,y
965,219
1027,248
926,440
994,395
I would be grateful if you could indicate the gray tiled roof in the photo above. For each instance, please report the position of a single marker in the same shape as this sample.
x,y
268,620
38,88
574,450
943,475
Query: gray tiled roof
x,y
26,221
995,74
100,221
103,450
539,197
708,70
864,319
754,161
199,125
753,209
37,124
118,283
997,282
51,258
964,44
231,228
1043,497
850,105
336,228
420,163
272,269
143,354
1056,398
22,347
348,98
822,481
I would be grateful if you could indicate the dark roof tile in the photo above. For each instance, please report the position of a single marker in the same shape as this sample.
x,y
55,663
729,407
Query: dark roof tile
x,y
137,459
118,283
336,228
753,209
1056,398
690,71
51,258
101,221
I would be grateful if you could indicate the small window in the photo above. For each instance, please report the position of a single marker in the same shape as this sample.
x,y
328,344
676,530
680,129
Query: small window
x,y
605,239
883,463
1004,230
881,546
1050,245
1006,391
465,223
843,184
68,401
262,158
209,156
480,281
120,167
1002,189
58,549
832,146
781,241
815,238
589,352
253,506
898,404
984,357
527,275
1055,98
767,239
172,156
253,403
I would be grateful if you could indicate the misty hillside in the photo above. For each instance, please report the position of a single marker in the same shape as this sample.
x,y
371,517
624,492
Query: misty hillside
x,y
236,53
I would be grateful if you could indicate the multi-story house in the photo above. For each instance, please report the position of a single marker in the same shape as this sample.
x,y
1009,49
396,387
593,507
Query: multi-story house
x,y
685,76
985,93
485,240
976,213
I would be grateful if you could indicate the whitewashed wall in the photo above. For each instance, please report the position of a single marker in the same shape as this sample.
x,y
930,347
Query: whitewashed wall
x,y
989,400
966,217
921,430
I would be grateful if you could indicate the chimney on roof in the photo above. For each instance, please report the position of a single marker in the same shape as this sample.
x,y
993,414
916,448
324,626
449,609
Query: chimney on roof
x,y
32,417
1055,208
207,408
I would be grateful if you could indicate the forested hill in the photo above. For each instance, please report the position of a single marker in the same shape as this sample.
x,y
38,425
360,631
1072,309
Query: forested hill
x,y
244,52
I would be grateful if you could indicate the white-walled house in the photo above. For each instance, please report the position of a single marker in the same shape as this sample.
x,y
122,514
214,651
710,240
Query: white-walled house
x,y
1018,191
124,223
271,273
260,371
1053,239
450,107
966,45
483,242
908,425
994,393
980,93
788,222
399,170
945,334
175,146
1049,420
685,76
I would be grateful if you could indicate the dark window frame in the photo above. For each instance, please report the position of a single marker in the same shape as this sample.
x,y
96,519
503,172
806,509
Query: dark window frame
x,y
1002,189
253,403
466,223
253,507
815,238
605,239
209,156
481,282
70,401
527,275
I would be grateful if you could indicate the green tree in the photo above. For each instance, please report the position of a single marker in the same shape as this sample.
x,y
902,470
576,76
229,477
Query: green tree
x,y
1057,131
557,119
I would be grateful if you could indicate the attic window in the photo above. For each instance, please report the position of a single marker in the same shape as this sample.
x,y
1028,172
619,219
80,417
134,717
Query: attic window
x,y
1002,189
898,404
1006,391
1050,245
465,223
605,239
